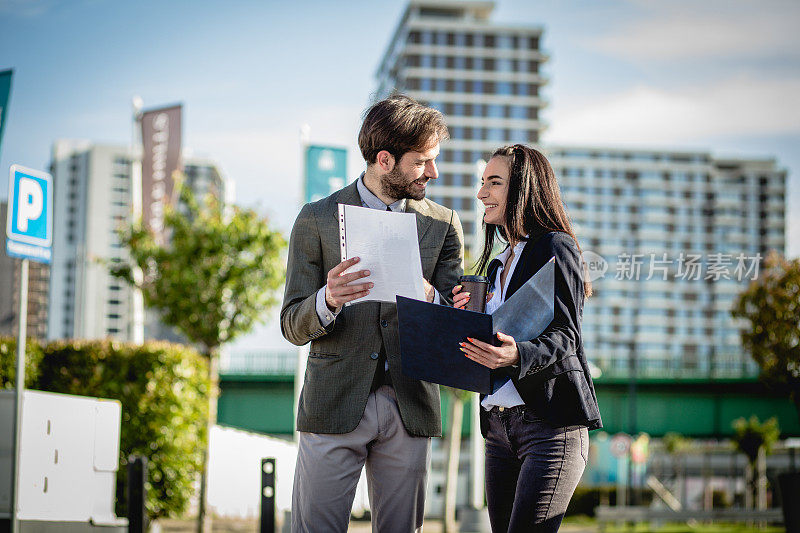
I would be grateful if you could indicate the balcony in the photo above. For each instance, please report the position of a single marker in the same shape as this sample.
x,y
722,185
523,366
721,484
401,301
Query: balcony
x,y
697,367
260,363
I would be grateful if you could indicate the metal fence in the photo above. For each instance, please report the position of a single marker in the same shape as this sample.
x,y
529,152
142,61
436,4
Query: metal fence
x,y
675,368
284,362
261,362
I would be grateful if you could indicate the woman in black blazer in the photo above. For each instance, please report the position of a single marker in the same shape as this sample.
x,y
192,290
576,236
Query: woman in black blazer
x,y
543,403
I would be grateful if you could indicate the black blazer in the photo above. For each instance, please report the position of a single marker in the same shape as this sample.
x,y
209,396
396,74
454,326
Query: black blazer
x,y
553,377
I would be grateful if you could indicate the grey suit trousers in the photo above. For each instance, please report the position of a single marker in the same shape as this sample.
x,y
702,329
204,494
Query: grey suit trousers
x,y
329,466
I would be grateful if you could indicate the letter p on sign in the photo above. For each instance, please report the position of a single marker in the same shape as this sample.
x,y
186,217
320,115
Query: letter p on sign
x,y
31,203
30,209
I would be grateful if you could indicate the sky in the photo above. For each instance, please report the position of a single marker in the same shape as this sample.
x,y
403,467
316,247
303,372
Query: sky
x,y
717,75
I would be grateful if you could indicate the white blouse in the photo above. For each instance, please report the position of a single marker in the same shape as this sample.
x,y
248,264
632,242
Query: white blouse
x,y
507,395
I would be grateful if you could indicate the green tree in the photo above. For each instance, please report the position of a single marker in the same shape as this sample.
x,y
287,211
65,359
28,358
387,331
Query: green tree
x,y
770,307
755,440
675,442
676,445
212,280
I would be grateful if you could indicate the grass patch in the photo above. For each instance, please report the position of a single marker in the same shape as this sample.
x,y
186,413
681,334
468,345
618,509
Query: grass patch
x,y
685,528
580,520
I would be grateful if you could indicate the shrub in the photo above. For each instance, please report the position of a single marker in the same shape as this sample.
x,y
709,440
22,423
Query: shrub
x,y
8,362
163,391
585,499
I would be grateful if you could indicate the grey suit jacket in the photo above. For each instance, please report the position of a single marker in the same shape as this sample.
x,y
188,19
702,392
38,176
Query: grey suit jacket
x,y
343,356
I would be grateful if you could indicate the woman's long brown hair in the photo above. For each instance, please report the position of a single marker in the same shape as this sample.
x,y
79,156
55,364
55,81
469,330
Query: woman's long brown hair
x,y
533,204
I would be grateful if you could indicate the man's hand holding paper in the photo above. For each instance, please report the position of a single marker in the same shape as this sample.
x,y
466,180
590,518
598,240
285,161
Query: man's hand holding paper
x,y
340,288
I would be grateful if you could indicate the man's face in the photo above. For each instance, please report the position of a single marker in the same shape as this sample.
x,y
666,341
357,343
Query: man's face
x,y
410,175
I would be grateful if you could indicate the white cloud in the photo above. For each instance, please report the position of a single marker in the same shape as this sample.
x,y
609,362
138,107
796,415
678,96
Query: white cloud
x,y
265,161
264,164
687,29
653,115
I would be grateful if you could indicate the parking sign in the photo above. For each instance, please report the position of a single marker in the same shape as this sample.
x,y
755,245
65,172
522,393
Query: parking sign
x,y
29,226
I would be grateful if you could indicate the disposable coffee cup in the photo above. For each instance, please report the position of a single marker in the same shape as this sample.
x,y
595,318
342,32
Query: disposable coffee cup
x,y
476,286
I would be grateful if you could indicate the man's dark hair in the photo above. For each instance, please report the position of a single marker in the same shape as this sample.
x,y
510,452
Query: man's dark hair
x,y
398,125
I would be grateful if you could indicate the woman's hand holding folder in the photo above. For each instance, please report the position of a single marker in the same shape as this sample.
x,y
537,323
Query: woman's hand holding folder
x,y
490,356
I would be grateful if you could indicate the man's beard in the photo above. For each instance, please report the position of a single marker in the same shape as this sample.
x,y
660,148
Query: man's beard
x,y
396,185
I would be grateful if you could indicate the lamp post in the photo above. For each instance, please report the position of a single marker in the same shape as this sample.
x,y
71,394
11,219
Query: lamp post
x,y
475,517
137,300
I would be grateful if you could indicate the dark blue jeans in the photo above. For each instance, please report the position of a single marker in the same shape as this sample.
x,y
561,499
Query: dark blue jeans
x,y
532,470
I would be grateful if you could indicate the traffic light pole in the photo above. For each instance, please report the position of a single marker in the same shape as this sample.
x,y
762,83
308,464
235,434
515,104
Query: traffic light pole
x,y
20,387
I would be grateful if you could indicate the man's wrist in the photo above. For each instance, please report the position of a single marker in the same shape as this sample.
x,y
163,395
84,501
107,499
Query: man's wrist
x,y
332,308
325,313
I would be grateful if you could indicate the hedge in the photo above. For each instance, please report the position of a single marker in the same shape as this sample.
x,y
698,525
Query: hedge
x,y
8,362
163,390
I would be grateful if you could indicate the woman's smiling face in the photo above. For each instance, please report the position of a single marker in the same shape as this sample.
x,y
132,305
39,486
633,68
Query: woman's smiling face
x,y
494,190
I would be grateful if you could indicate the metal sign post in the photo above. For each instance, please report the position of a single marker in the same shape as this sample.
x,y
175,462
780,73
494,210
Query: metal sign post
x,y
20,387
620,448
29,231
267,521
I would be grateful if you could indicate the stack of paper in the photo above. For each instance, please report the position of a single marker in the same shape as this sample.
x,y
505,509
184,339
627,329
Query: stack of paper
x,y
388,247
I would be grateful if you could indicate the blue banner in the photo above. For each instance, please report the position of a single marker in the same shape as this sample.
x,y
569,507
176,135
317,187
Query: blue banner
x,y
5,92
326,171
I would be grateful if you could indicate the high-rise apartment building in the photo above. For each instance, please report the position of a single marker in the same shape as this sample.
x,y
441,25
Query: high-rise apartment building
x,y
10,280
654,218
484,77
680,234
92,200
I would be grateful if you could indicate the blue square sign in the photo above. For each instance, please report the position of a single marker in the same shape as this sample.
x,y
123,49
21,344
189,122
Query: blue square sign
x,y
29,226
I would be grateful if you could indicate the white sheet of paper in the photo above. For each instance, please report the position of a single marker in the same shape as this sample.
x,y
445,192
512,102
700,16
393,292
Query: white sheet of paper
x,y
388,247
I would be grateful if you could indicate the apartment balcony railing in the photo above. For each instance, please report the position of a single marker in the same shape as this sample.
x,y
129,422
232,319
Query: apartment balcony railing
x,y
284,363
700,368
261,362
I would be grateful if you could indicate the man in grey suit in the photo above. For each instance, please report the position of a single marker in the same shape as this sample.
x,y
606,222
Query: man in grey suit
x,y
356,406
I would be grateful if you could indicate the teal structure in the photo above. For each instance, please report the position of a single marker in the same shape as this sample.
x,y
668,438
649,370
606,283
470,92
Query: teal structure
x,y
325,170
259,397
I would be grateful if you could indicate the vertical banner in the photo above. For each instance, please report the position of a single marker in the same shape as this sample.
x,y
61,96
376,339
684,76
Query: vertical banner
x,y
326,171
161,145
5,92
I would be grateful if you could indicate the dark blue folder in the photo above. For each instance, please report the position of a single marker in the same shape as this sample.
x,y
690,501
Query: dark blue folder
x,y
430,333
437,357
